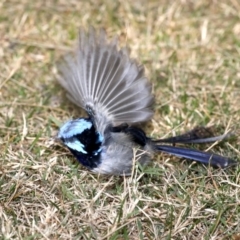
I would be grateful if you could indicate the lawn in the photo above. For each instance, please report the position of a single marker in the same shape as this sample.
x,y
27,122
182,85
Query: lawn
x,y
191,54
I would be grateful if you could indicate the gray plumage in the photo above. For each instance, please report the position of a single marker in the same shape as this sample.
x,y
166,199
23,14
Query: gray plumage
x,y
113,90
104,79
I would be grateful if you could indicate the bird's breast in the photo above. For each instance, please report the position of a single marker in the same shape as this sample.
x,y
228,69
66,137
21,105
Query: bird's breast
x,y
119,154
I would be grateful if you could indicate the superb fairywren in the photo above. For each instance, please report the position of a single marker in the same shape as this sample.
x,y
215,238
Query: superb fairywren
x,y
113,90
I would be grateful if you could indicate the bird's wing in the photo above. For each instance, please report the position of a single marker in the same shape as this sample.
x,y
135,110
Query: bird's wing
x,y
106,82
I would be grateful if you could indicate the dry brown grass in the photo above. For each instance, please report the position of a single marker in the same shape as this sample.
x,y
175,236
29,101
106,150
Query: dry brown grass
x,y
191,53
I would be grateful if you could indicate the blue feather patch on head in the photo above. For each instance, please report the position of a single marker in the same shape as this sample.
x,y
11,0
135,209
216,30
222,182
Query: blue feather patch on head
x,y
100,138
73,127
82,139
76,145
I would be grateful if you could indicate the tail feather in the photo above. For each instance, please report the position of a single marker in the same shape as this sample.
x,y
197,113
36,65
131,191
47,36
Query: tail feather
x,y
182,139
203,157
197,135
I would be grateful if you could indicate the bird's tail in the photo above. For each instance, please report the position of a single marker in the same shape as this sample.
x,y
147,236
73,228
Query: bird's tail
x,y
197,135
199,156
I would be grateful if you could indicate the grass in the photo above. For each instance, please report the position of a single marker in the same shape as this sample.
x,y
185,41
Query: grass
x,y
190,50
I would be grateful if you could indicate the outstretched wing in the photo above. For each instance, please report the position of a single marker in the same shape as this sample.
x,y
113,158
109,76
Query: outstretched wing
x,y
106,82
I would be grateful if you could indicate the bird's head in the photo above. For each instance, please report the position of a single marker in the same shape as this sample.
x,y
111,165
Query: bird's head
x,y
82,139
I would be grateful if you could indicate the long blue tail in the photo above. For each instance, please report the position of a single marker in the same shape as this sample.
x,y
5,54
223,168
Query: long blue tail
x,y
197,135
203,157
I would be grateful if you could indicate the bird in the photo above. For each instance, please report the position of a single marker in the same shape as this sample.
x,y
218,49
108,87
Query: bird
x,y
111,87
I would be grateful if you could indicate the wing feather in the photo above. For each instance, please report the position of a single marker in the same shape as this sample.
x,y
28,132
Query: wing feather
x,y
106,80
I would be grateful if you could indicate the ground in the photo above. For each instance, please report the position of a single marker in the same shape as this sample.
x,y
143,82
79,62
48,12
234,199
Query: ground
x,y
190,51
